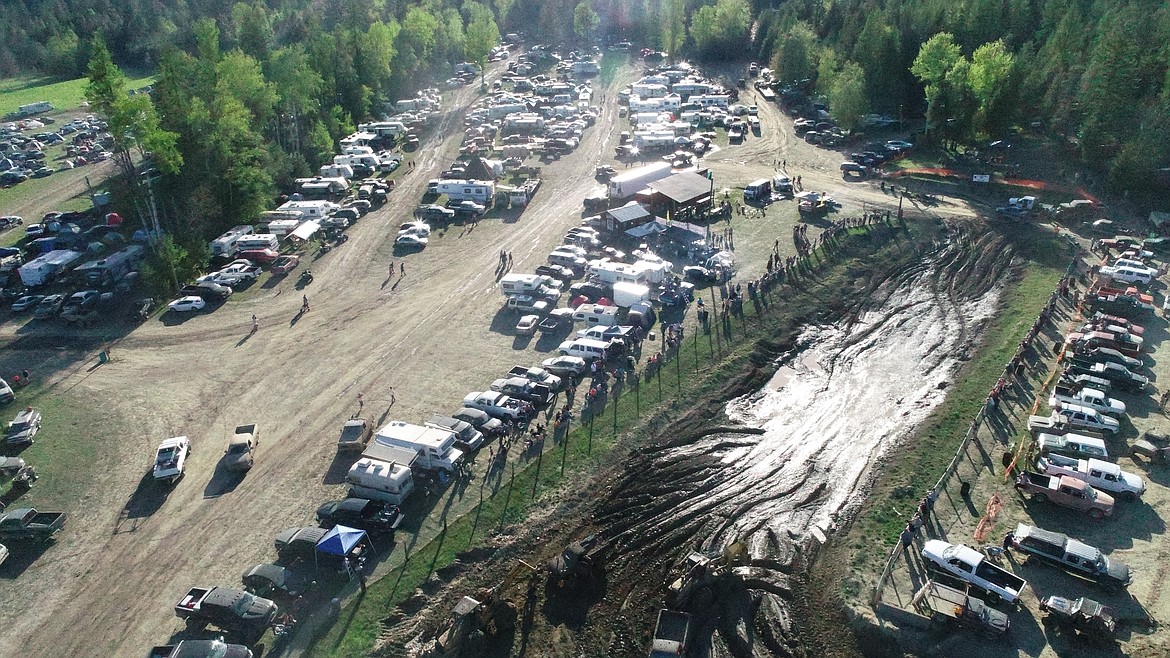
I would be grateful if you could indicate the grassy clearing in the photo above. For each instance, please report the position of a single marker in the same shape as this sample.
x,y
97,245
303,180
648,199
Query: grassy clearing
x,y
914,470
63,94
62,451
706,364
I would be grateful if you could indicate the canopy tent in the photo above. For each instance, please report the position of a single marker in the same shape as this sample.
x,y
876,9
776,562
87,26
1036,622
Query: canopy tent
x,y
645,230
340,540
305,231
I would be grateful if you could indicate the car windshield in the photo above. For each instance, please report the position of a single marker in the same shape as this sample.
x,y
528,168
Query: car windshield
x,y
166,454
241,605
237,448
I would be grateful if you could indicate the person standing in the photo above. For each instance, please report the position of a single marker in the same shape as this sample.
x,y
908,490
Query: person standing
x,y
402,269
361,401
392,395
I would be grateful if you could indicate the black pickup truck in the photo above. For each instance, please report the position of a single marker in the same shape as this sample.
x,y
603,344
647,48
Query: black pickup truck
x,y
30,524
229,609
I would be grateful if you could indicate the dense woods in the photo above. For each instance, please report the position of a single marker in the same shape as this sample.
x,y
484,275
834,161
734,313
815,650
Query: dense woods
x,y
256,92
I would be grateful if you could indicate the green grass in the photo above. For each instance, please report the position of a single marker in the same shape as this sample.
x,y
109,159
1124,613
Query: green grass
x,y
705,367
65,95
905,478
61,451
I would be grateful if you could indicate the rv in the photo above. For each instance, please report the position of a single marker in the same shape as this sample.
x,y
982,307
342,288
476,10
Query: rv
x,y
112,268
374,479
392,129
435,447
47,266
310,209
520,284
336,171
479,191
225,245
320,187
258,241
629,183
585,67
34,108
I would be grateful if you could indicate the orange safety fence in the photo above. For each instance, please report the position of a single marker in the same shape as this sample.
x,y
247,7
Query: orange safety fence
x,y
994,505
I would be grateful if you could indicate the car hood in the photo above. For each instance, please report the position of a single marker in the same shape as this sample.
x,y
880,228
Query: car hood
x,y
1118,571
259,609
238,460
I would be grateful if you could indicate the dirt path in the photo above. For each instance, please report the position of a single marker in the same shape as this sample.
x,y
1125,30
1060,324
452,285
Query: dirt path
x,y
122,565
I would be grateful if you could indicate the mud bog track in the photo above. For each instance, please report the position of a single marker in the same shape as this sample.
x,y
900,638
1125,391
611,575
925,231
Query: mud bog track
x,y
802,460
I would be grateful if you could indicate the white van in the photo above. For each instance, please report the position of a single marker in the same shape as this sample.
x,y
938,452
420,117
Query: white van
x,y
258,241
585,348
374,479
520,284
758,190
594,315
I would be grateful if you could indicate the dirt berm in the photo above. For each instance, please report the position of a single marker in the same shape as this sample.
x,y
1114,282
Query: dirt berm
x,y
776,454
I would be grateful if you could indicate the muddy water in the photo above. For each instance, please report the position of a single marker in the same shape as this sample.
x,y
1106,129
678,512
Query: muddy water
x,y
844,397
830,413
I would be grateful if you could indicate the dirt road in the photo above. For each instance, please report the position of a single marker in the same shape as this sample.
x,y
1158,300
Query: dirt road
x,y
132,550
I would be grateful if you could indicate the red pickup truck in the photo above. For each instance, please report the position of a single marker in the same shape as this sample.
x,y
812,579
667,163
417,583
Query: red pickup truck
x,y
1066,491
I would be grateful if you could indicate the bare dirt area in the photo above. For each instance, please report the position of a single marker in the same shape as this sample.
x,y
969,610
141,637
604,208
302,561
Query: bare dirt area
x,y
132,549
415,343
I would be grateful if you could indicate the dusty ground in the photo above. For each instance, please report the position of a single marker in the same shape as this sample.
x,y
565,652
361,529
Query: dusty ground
x,y
130,551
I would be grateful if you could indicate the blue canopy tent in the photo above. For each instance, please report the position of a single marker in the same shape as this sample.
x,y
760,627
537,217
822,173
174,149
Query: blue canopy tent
x,y
348,545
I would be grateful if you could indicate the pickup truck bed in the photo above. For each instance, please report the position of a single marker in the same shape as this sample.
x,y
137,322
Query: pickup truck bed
x,y
30,524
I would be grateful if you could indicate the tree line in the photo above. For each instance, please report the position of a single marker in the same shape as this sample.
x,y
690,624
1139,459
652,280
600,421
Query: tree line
x,y
257,92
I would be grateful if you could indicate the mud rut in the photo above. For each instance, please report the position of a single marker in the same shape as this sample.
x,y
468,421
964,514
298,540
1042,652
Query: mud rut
x,y
838,401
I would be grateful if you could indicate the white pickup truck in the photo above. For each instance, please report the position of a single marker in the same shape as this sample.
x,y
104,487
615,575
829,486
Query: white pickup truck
x,y
971,566
170,458
1086,397
1099,474
1080,417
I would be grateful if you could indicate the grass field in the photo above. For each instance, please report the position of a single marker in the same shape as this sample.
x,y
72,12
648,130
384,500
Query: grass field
x,y
64,95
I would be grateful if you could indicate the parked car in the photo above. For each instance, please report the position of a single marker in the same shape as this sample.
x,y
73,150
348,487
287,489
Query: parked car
x,y
261,256
434,213
526,326
187,304
1083,616
26,303
480,420
497,405
565,366
285,264
355,434
49,306
410,240
368,515
272,581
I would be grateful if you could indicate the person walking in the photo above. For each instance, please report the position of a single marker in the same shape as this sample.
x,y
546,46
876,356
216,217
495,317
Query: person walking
x,y
402,269
391,274
361,401
392,395
255,323
304,303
